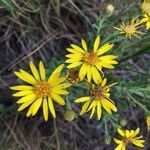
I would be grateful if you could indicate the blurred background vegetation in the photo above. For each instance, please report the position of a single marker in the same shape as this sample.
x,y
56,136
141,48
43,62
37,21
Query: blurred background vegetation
x,y
41,30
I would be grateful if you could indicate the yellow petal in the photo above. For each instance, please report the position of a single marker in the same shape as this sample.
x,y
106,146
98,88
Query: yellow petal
x,y
22,77
108,57
99,110
55,75
91,105
28,76
106,65
120,146
138,143
42,71
34,71
71,50
63,85
30,110
103,82
117,141
75,64
108,106
84,45
136,132
58,99
45,109
24,105
22,93
89,73
22,87
121,132
96,43
93,109
26,98
36,106
51,107
82,99
99,66
96,76
62,92
85,107
104,104
58,69
104,49
77,48
73,60
83,71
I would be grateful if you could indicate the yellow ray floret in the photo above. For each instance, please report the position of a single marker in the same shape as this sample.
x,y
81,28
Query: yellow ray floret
x,y
90,61
40,91
148,122
145,7
146,19
129,137
130,29
98,98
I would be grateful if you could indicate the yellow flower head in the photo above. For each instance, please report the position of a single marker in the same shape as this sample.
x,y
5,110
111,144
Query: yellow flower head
x,y
145,6
130,29
147,20
40,91
129,137
99,98
148,122
90,62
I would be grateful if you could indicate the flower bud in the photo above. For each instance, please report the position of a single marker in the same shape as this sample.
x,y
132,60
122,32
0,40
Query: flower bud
x,y
107,139
123,122
69,115
109,10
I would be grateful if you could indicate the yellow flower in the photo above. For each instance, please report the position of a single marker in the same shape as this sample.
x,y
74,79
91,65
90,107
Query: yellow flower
x,y
99,98
145,6
40,91
148,122
90,62
130,29
147,20
129,137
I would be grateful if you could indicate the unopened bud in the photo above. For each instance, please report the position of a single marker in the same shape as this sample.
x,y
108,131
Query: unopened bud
x,y
107,139
69,115
109,10
123,122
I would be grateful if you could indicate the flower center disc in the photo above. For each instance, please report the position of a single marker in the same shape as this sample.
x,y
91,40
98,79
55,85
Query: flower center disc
x,y
127,141
130,29
90,58
97,92
42,89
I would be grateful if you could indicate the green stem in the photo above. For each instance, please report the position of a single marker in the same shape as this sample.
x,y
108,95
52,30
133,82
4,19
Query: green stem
x,y
106,129
56,134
